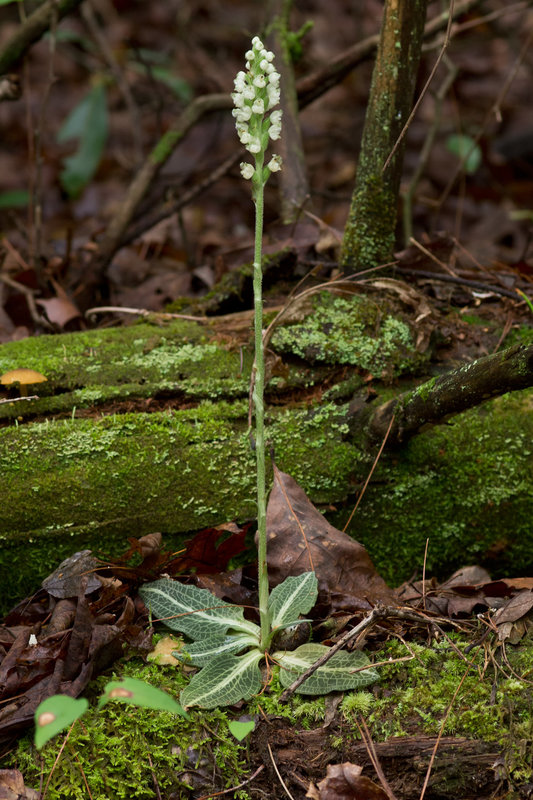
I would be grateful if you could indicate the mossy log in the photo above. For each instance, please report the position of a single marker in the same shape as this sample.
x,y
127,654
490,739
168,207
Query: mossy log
x,y
145,428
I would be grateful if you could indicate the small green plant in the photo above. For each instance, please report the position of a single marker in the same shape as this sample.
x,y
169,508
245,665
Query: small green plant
x,y
58,712
227,647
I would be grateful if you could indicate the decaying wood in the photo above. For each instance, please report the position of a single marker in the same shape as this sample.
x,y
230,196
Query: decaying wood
x,y
466,387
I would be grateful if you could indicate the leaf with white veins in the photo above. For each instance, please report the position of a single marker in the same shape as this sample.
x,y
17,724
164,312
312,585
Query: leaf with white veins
x,y
203,651
224,681
296,595
337,674
195,612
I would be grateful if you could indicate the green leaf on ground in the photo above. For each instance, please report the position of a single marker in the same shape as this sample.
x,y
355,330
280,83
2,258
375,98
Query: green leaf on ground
x,y
195,612
336,675
139,693
241,729
224,681
55,714
296,595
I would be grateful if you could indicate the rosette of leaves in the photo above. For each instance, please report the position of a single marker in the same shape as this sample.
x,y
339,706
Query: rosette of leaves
x,y
228,648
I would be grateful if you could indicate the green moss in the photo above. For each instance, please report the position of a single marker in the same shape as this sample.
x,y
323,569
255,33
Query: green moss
x,y
109,748
90,368
473,697
74,484
351,331
417,696
465,486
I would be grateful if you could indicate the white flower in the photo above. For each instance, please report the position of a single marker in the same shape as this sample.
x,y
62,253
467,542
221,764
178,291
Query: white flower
x,y
247,171
273,96
243,114
274,164
258,106
256,92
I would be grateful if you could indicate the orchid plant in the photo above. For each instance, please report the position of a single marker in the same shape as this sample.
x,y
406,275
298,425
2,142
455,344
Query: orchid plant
x,y
227,647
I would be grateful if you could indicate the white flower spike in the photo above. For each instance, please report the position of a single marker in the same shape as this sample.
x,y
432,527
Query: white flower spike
x,y
256,92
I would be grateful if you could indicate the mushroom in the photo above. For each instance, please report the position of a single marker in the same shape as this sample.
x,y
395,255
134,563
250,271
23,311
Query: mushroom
x,y
24,377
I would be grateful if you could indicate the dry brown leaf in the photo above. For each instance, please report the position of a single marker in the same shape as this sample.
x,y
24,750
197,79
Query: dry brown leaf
x,y
300,540
12,786
345,782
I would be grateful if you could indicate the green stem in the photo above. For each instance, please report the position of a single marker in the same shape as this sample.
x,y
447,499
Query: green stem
x,y
258,397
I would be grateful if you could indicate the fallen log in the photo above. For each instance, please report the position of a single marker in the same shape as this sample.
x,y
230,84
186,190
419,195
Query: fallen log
x,y
145,428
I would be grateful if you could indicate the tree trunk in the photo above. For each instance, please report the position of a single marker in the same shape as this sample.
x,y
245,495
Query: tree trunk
x,y
369,235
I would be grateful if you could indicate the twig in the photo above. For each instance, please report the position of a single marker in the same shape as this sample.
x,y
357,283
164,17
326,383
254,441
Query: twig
x,y
424,574
49,778
140,184
426,149
443,725
174,204
447,38
278,772
84,777
154,778
87,12
292,182
482,287
28,293
140,312
37,194
371,750
315,85
32,29
19,399
379,612
233,788
374,465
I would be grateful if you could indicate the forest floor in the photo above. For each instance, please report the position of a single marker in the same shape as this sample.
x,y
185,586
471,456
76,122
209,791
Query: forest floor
x,y
140,64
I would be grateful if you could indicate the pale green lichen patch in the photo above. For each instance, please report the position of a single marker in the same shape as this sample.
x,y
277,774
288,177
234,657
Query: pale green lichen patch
x,y
353,331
